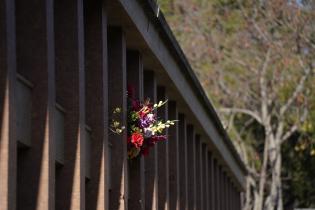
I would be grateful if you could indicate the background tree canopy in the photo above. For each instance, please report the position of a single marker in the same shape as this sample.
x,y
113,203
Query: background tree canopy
x,y
256,61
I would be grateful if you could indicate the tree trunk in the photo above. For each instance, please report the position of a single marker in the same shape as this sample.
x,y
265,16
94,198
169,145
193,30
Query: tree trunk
x,y
259,200
275,202
247,205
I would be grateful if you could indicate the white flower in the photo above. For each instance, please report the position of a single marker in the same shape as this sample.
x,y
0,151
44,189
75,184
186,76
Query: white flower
x,y
148,132
150,117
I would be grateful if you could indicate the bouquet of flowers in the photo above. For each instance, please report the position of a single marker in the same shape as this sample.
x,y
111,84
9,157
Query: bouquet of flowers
x,y
144,128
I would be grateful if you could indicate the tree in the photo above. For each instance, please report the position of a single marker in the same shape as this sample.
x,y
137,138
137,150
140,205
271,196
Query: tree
x,y
256,59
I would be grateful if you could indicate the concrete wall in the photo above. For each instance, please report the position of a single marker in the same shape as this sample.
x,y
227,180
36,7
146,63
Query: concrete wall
x,y
65,66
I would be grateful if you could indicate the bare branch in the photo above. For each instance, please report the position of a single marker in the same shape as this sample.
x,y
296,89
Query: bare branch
x,y
294,127
299,89
246,125
253,21
230,122
263,86
223,87
259,30
241,63
289,133
243,111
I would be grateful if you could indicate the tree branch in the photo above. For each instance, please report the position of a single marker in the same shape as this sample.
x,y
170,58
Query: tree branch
x,y
242,111
299,89
294,127
263,87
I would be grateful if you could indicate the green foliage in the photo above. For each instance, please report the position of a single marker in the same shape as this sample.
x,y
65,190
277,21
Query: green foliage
x,y
166,6
299,173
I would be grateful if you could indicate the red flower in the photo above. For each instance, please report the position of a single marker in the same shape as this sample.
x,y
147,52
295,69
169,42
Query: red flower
x,y
144,111
136,139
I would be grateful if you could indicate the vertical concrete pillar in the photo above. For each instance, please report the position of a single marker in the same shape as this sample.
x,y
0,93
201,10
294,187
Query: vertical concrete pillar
x,y
118,198
217,186
199,182
208,174
163,162
136,166
151,161
70,86
238,200
195,171
225,200
242,199
183,161
205,176
8,145
221,188
211,182
227,193
35,62
202,175
233,198
191,167
230,196
173,158
96,73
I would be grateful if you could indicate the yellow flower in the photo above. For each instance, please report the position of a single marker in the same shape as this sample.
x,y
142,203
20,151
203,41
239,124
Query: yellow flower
x,y
117,110
116,124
